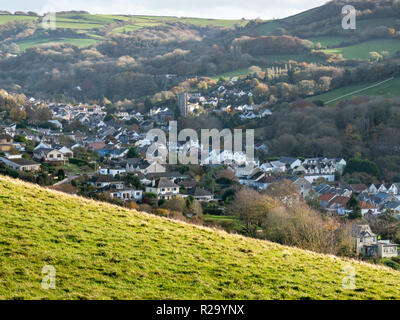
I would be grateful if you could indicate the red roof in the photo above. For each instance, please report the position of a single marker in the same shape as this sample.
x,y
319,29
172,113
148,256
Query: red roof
x,y
327,197
341,201
367,205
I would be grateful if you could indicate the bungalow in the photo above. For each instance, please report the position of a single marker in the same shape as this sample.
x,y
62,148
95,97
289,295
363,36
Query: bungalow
x,y
66,151
201,194
102,182
50,155
127,195
21,164
111,171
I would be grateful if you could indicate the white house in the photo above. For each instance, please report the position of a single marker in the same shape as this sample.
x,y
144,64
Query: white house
x,y
372,189
164,189
127,195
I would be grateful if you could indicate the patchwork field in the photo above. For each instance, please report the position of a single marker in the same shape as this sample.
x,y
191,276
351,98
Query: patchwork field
x,y
90,24
100,251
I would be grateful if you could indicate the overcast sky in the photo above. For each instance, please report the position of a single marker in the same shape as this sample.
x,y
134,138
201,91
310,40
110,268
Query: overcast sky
x,y
222,9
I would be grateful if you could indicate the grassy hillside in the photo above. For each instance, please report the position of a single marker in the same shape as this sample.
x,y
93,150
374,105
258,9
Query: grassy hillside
x,y
105,252
5,18
362,50
387,89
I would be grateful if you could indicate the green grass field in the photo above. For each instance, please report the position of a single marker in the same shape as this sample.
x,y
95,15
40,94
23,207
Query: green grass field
x,y
328,41
361,51
268,27
211,217
387,89
79,42
100,251
5,18
88,24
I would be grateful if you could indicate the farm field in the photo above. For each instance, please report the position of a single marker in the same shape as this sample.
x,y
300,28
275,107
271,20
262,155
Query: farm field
x,y
361,51
79,42
5,18
101,251
387,89
328,41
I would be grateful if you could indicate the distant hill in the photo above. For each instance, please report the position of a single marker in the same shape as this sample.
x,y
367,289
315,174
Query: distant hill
x,y
86,27
100,251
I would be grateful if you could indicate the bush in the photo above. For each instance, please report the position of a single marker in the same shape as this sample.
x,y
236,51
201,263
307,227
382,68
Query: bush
x,y
78,162
162,212
392,264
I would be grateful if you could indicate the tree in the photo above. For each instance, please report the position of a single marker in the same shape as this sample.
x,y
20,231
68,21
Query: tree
x,y
301,227
375,56
261,93
175,204
285,191
361,165
251,207
355,206
133,180
132,153
61,174
195,208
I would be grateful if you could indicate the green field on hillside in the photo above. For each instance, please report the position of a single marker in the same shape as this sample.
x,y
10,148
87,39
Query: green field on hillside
x,y
387,89
268,27
87,21
79,42
100,251
328,41
5,18
361,51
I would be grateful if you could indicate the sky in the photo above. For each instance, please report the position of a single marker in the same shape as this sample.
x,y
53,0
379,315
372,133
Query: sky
x,y
217,9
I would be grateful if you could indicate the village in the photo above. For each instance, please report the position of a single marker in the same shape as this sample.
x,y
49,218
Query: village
x,y
103,159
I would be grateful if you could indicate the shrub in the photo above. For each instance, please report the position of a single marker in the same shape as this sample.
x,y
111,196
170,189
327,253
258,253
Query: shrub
x,y
162,212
